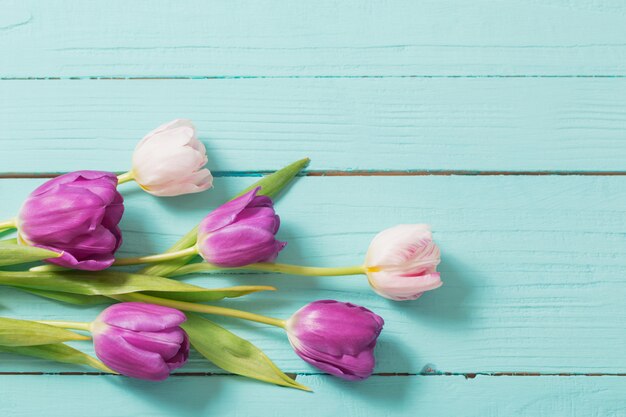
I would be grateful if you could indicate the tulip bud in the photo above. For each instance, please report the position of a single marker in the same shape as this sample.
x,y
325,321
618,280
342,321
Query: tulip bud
x,y
338,338
141,340
169,161
401,262
77,215
240,232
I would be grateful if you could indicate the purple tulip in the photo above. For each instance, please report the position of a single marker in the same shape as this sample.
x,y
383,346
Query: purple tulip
x,y
141,340
77,215
241,232
338,338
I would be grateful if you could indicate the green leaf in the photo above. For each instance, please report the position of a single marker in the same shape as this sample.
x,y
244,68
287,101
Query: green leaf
x,y
93,283
14,332
60,353
213,294
66,297
275,182
270,185
54,284
12,254
234,354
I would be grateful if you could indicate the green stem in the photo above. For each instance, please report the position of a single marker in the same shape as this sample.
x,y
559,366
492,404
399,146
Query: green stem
x,y
76,325
125,177
274,267
48,268
162,257
200,308
8,224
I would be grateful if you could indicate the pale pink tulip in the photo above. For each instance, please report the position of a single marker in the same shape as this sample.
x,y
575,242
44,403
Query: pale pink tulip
x,y
170,161
401,262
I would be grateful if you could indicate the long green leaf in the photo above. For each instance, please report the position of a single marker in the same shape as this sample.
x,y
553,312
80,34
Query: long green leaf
x,y
234,354
14,332
60,353
213,294
114,283
270,185
13,254
66,297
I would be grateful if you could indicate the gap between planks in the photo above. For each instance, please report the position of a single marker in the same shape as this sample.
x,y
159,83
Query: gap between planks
x,y
247,77
367,173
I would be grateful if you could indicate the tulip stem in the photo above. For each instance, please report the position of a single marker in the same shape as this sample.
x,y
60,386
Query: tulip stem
x,y
8,224
274,267
201,308
125,177
162,257
76,325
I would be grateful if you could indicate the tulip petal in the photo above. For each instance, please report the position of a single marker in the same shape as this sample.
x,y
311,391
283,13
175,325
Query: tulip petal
x,y
67,260
240,245
141,316
400,243
60,216
198,181
72,177
180,358
261,201
121,356
165,342
176,123
351,368
163,164
402,288
226,213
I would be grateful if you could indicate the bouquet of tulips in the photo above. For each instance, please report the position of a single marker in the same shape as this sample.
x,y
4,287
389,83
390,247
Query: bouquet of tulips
x,y
71,224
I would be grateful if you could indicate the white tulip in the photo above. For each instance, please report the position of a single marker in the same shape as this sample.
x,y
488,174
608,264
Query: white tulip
x,y
170,161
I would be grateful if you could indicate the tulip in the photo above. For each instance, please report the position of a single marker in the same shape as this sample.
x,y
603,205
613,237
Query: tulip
x,y
338,338
236,234
401,262
169,161
141,340
240,232
77,215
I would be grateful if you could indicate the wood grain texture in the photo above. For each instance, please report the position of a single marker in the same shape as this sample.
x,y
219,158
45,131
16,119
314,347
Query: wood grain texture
x,y
196,38
534,268
69,396
342,124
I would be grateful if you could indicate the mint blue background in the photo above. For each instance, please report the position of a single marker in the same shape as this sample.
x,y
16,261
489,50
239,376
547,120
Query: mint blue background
x,y
500,123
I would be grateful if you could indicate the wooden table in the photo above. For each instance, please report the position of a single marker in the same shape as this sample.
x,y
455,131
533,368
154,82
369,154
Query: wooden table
x,y
501,123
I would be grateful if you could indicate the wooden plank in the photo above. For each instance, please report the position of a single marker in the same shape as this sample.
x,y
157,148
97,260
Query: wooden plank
x,y
379,396
161,38
500,124
534,268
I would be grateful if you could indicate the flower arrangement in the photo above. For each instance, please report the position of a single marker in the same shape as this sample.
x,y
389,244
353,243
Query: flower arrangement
x,y
71,224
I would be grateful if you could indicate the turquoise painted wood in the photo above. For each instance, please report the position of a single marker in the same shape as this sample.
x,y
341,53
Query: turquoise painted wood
x,y
69,396
163,38
534,269
502,124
